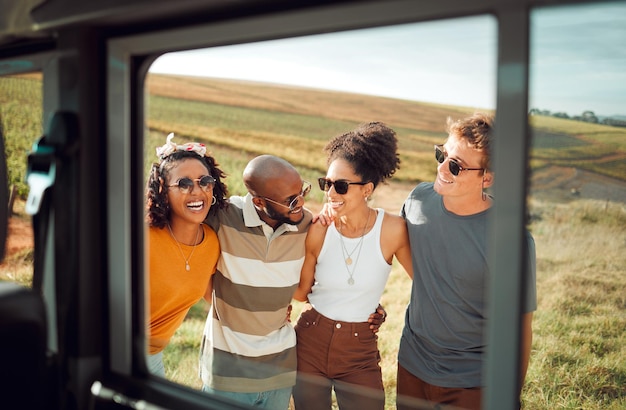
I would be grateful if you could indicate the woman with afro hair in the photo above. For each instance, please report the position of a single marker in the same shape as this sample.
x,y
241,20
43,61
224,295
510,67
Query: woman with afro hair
x,y
346,267
183,187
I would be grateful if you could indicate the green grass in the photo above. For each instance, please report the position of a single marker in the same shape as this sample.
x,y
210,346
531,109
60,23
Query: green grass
x,y
593,147
578,359
543,141
242,119
21,124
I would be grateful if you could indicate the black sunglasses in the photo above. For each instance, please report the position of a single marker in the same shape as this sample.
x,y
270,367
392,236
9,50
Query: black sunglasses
x,y
293,204
185,185
341,185
454,166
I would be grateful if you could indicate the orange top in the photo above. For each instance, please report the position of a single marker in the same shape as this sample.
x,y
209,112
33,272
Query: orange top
x,y
173,289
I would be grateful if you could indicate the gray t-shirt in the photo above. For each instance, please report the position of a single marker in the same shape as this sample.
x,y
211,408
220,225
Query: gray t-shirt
x,y
442,341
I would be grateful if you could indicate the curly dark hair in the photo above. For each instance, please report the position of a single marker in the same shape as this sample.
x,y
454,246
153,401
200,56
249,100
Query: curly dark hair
x,y
371,149
157,206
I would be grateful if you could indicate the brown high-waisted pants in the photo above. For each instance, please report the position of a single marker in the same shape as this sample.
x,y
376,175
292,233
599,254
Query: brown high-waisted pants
x,y
343,355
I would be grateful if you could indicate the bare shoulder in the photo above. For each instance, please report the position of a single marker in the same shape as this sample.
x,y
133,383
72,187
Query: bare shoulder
x,y
394,231
315,238
393,237
394,221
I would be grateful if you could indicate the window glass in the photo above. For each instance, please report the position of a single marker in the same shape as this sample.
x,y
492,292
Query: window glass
x,y
21,124
290,97
577,204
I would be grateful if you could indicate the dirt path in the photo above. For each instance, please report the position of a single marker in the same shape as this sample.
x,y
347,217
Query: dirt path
x,y
565,184
20,235
391,196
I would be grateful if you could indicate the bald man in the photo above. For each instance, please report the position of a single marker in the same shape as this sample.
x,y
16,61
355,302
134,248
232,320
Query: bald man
x,y
248,350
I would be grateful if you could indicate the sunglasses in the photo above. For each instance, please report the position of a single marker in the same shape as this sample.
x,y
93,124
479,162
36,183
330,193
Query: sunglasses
x,y
293,202
341,185
454,166
185,185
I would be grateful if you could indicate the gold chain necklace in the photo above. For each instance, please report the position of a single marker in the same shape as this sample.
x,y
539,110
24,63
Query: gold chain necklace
x,y
348,256
187,267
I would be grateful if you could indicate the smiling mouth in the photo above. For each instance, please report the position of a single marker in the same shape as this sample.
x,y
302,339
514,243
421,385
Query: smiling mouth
x,y
335,204
196,205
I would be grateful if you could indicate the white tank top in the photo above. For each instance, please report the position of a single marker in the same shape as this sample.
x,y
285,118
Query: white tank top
x,y
331,294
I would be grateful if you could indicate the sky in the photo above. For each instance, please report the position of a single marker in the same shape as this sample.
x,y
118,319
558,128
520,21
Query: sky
x,y
578,58
578,61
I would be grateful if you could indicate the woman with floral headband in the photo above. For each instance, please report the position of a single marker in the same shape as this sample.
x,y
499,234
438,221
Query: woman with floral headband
x,y
184,186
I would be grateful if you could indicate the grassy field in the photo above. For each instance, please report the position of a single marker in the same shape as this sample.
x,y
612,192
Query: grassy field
x,y
21,117
578,359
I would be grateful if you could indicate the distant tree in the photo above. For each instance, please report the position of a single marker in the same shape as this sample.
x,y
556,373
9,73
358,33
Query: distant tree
x,y
560,115
614,122
589,116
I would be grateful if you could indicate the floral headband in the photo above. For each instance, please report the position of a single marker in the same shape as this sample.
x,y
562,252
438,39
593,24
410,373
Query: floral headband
x,y
170,147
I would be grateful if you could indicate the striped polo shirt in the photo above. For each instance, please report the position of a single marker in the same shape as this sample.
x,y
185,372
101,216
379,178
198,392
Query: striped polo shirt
x,y
248,345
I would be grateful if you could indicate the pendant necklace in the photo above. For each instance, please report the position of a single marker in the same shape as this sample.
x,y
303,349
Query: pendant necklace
x,y
348,255
187,267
